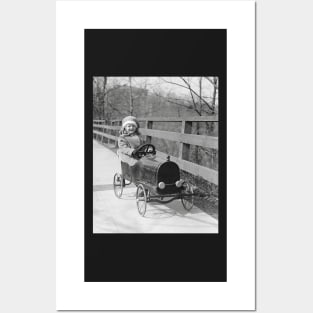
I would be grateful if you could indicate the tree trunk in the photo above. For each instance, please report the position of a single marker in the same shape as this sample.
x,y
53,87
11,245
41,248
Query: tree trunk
x,y
197,123
200,94
214,94
104,93
131,104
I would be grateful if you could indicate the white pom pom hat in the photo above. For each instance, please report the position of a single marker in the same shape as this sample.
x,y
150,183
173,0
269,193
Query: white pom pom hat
x,y
130,120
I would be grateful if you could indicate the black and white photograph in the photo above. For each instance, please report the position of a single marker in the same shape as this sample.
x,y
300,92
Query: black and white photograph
x,y
155,154
155,151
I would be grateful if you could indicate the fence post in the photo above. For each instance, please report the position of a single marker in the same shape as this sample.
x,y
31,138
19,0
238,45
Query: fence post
x,y
110,132
116,134
96,130
102,130
149,125
106,131
184,148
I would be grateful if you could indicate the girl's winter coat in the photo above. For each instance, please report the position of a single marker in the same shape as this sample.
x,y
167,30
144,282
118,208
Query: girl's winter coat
x,y
127,144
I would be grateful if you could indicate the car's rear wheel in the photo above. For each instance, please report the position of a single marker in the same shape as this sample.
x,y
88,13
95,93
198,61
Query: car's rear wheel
x,y
118,182
187,197
141,199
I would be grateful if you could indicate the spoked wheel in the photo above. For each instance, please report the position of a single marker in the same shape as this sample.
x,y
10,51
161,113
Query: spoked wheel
x,y
118,185
187,200
141,199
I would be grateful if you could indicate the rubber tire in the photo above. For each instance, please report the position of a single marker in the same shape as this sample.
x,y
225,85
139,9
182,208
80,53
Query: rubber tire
x,y
118,186
141,189
188,205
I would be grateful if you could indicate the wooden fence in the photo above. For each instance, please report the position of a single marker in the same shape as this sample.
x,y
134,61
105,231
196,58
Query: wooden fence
x,y
108,132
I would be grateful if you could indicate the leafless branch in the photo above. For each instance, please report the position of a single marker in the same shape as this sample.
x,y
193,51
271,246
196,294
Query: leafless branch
x,y
213,82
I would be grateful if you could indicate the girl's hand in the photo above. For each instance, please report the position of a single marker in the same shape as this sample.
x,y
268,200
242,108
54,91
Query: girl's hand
x,y
133,154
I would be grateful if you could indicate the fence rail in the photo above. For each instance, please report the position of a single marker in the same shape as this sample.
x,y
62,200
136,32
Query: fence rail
x,y
102,130
106,126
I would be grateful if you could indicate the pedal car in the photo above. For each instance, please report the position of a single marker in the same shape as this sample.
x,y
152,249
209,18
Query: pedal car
x,y
156,180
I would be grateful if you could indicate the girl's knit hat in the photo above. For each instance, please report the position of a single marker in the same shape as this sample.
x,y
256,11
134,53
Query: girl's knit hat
x,y
130,120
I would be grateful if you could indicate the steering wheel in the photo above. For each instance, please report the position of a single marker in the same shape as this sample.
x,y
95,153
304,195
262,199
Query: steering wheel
x,y
143,150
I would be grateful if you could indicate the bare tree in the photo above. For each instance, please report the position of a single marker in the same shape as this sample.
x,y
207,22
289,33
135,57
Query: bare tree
x,y
131,100
105,79
200,104
103,106
197,98
214,82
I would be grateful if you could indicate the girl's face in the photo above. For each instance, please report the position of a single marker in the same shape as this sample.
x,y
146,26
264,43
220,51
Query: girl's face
x,y
130,128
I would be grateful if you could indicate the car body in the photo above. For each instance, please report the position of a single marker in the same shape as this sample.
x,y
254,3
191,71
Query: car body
x,y
156,180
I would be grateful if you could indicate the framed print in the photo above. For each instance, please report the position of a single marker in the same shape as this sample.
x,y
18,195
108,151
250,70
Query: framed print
x,y
150,182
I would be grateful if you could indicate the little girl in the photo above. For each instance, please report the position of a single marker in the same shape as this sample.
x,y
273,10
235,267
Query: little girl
x,y
128,141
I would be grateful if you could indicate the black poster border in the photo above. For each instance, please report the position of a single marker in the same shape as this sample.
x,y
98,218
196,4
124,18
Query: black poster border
x,y
155,257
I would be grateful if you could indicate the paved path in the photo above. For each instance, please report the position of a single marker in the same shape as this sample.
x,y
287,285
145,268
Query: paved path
x,y
113,215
